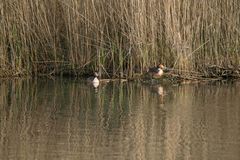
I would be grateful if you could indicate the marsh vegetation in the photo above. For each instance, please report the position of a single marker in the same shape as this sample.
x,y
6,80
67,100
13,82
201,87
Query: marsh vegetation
x,y
119,38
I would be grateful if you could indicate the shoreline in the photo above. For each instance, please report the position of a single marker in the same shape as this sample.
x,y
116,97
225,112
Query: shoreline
x,y
211,72
166,78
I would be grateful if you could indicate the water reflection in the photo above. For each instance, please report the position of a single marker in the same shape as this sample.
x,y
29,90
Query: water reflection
x,y
159,89
67,119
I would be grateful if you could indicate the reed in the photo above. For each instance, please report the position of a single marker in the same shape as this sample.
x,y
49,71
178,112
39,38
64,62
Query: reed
x,y
118,38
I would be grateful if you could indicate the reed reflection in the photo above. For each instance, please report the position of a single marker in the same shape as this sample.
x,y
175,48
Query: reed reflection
x,y
67,119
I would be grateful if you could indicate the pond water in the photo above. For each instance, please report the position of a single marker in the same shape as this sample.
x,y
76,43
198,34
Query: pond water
x,y
67,119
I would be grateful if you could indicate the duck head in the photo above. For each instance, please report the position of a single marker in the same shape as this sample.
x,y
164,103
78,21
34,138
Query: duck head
x,y
164,68
96,74
161,66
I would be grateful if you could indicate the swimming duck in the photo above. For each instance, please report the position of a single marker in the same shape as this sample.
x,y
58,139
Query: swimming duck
x,y
94,80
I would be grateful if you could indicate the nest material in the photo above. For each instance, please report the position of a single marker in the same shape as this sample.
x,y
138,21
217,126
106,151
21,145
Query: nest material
x,y
225,72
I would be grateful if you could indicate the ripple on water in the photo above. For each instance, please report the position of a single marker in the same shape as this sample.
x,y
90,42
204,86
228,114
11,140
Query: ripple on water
x,y
66,119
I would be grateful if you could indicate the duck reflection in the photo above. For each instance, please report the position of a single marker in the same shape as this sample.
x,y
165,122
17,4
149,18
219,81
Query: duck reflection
x,y
159,89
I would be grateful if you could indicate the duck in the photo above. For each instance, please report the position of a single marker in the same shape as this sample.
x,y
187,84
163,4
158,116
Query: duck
x,y
157,72
94,80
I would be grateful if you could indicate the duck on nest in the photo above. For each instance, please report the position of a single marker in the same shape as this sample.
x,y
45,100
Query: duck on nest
x,y
158,71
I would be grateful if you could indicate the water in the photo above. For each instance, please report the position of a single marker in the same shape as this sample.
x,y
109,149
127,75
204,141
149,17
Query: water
x,y
67,119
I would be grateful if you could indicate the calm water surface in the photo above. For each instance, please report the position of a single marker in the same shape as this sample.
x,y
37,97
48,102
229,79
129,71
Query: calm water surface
x,y
66,119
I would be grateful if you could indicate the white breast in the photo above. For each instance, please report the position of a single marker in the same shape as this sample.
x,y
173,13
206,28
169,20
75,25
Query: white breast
x,y
95,80
160,72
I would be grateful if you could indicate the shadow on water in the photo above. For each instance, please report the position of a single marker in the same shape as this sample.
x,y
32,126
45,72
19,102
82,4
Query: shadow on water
x,y
68,119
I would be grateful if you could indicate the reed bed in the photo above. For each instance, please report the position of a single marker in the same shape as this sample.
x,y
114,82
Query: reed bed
x,y
118,38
